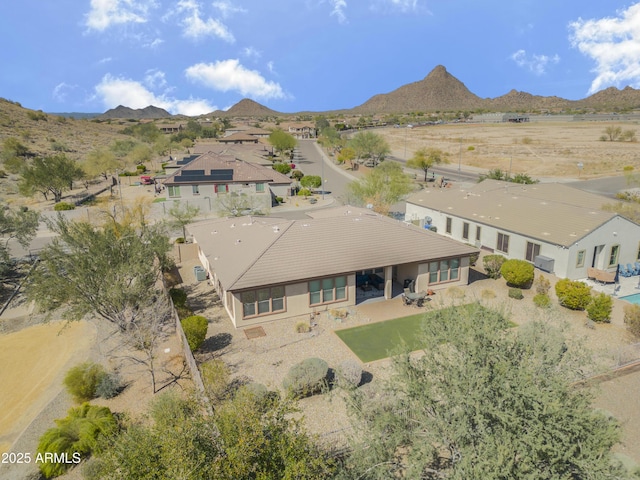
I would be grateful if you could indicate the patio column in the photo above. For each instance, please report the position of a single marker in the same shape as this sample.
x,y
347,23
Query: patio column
x,y
388,282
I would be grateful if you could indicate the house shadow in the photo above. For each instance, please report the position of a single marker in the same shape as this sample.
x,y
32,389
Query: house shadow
x,y
476,275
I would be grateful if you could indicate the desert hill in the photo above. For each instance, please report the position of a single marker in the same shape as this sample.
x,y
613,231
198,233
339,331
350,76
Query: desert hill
x,y
149,112
247,108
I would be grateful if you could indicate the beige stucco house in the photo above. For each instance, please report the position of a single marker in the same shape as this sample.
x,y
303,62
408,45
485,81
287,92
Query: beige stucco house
x,y
270,268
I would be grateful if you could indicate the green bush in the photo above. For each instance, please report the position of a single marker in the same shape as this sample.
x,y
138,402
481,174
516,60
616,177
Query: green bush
x,y
76,435
515,293
573,294
306,378
258,390
632,319
178,296
61,206
542,300
492,265
279,199
195,329
215,376
180,240
304,192
283,168
109,385
83,379
542,285
184,312
349,374
517,273
311,181
599,310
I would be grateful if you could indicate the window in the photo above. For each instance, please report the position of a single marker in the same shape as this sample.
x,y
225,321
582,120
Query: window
x,y
444,271
478,232
533,250
613,256
448,229
223,188
262,301
327,290
580,259
259,187
196,189
503,243
638,256
465,231
174,191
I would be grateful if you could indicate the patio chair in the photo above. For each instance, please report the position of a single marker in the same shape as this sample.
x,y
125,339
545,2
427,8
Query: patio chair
x,y
632,269
406,300
623,271
637,265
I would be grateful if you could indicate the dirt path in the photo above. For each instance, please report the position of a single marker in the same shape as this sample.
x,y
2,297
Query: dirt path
x,y
34,361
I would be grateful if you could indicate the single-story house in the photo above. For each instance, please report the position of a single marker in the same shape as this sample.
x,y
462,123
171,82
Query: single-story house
x,y
560,229
240,138
213,175
267,269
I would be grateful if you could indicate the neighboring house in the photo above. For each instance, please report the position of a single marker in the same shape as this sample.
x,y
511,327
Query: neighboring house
x,y
170,127
240,138
559,228
300,130
267,269
213,175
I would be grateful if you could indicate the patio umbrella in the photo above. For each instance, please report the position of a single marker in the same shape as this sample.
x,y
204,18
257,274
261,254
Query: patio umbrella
x,y
616,280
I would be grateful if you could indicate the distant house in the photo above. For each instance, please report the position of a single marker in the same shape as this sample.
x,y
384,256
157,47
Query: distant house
x,y
213,175
267,269
560,228
240,138
301,130
170,127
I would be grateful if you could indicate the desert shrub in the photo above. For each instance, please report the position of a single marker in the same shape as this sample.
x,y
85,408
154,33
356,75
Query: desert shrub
x,y
349,374
471,148
492,265
279,199
178,296
542,285
258,390
304,192
83,379
517,273
573,294
473,258
3,174
488,294
515,293
184,312
215,376
180,240
306,378
632,319
311,181
455,292
302,327
281,167
195,329
141,169
109,386
62,206
599,309
542,300
76,435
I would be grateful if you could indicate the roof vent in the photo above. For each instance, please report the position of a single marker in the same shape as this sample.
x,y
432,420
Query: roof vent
x,y
233,225
276,229
305,224
238,242
214,232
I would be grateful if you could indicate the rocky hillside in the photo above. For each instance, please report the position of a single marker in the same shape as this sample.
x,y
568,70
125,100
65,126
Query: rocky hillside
x,y
247,108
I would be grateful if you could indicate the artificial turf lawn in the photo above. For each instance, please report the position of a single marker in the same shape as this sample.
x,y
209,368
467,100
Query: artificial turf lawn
x,y
379,340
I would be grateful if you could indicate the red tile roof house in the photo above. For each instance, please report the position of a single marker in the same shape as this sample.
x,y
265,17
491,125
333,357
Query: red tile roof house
x,y
212,175
267,269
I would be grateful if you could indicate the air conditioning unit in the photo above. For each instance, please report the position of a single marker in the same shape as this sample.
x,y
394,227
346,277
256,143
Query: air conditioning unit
x,y
544,263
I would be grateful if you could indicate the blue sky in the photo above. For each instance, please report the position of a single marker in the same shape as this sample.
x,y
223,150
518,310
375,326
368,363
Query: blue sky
x,y
193,56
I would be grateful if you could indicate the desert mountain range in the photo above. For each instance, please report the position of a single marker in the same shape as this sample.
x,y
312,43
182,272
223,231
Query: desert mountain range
x,y
438,91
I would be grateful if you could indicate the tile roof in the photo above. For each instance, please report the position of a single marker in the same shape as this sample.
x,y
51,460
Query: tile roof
x,y
243,172
551,212
248,252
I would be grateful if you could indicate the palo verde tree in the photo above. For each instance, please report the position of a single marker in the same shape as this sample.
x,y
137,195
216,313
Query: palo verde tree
x,y
100,162
20,225
369,145
282,141
181,215
484,402
50,175
381,187
425,158
109,271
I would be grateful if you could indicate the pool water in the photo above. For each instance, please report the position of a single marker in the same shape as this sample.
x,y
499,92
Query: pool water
x,y
635,298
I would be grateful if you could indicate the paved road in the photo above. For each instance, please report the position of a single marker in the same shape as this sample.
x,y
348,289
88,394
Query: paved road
x,y
607,186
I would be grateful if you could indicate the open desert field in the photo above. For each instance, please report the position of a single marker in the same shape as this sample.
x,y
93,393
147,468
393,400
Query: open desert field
x,y
538,149
34,361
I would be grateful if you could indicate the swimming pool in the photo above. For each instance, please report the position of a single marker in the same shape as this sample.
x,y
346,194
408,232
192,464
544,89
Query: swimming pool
x,y
635,298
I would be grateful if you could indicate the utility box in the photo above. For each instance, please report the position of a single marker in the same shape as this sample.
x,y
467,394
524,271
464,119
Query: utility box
x,y
544,263
200,273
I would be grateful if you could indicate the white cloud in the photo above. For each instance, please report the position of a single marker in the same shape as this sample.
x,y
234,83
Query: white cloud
x,y
338,11
106,13
536,64
271,66
155,79
613,44
113,91
227,9
251,52
195,27
403,5
61,91
226,75
104,60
